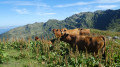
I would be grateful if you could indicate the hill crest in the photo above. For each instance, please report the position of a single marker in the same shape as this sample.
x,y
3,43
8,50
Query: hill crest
x,y
103,20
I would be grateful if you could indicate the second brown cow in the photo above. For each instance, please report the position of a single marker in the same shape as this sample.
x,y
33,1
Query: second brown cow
x,y
91,44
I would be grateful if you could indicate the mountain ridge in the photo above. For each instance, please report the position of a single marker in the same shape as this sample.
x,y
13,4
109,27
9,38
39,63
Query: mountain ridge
x,y
103,20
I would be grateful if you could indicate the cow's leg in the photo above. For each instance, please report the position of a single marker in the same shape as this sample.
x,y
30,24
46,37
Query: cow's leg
x,y
71,47
74,47
103,53
95,53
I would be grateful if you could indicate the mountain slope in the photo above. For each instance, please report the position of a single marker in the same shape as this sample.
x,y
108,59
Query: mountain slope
x,y
103,20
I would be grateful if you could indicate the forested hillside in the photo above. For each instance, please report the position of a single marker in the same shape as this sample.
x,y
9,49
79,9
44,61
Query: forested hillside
x,y
102,20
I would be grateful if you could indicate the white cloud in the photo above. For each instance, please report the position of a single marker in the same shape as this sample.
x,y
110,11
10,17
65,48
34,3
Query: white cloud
x,y
25,3
22,11
74,4
49,13
107,1
87,3
106,6
17,2
46,13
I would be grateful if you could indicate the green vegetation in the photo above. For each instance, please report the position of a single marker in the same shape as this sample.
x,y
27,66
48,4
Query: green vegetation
x,y
102,20
103,32
30,53
115,25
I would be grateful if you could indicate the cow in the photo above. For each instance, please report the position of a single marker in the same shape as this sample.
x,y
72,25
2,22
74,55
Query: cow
x,y
57,33
91,44
71,31
77,31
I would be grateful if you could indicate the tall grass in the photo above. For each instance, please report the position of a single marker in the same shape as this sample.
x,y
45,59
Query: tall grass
x,y
57,54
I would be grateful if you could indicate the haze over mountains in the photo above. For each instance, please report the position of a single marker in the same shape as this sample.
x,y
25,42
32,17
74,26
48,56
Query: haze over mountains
x,y
3,30
6,29
103,20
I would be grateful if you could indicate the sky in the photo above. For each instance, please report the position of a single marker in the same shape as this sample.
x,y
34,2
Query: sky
x,y
22,12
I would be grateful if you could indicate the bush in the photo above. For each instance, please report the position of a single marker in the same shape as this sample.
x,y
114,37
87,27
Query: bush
x,y
3,56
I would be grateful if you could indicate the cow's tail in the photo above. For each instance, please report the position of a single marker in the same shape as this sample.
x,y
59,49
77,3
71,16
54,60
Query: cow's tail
x,y
104,48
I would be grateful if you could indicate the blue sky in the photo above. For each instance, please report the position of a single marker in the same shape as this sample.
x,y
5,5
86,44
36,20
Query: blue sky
x,y
22,12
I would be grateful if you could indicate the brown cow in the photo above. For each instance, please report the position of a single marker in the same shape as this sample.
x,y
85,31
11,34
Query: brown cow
x,y
57,33
71,31
91,44
76,31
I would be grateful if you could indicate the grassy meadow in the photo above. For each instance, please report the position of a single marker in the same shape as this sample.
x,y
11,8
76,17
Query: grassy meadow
x,y
30,53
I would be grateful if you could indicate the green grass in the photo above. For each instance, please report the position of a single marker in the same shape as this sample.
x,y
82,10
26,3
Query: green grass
x,y
115,42
21,53
16,61
105,33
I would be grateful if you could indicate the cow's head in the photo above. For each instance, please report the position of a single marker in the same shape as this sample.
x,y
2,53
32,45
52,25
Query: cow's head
x,y
63,31
57,33
55,30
